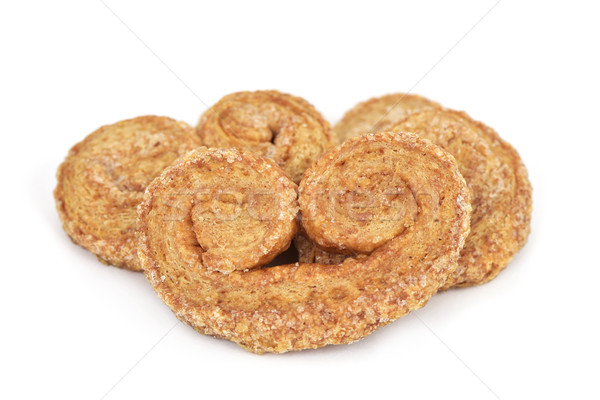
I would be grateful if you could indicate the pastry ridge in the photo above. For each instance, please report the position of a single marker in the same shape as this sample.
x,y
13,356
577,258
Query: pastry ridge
x,y
500,191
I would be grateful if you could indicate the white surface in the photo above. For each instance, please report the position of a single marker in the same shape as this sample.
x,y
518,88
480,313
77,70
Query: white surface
x,y
74,328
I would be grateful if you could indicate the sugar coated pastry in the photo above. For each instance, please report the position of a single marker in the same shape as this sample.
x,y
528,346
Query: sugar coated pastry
x,y
499,187
380,113
500,191
279,126
103,178
423,223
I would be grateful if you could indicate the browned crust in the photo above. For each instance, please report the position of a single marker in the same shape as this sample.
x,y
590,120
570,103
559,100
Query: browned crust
x,y
501,221
380,113
103,178
309,252
500,191
300,306
269,123
516,226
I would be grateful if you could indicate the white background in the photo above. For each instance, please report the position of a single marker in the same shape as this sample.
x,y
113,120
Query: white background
x,y
73,328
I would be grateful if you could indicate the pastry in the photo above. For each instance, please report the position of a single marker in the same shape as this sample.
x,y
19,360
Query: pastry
x,y
499,187
373,115
308,252
300,306
279,126
500,191
380,113
245,223
103,178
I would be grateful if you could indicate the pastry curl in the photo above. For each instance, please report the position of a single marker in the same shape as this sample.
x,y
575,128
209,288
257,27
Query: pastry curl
x,y
301,306
275,125
380,113
103,179
499,187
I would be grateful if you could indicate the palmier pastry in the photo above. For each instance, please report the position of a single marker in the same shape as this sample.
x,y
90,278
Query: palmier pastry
x,y
380,113
300,306
500,193
279,126
103,178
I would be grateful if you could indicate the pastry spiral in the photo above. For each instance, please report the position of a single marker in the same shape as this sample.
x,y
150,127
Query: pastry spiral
x,y
300,306
103,179
380,113
499,187
279,126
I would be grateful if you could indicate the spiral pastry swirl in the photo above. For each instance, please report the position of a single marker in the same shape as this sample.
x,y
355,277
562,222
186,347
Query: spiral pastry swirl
x,y
299,306
499,187
275,125
103,178
496,176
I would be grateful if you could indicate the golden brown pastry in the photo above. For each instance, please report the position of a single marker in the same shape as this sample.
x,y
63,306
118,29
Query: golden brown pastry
x,y
500,193
373,115
308,252
279,126
380,113
243,224
300,306
103,178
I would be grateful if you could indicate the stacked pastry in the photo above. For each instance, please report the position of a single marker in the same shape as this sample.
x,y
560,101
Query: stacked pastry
x,y
414,199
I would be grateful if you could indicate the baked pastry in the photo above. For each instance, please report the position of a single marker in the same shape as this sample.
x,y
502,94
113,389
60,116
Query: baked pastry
x,y
300,306
103,178
373,115
279,126
245,223
499,187
380,113
308,252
